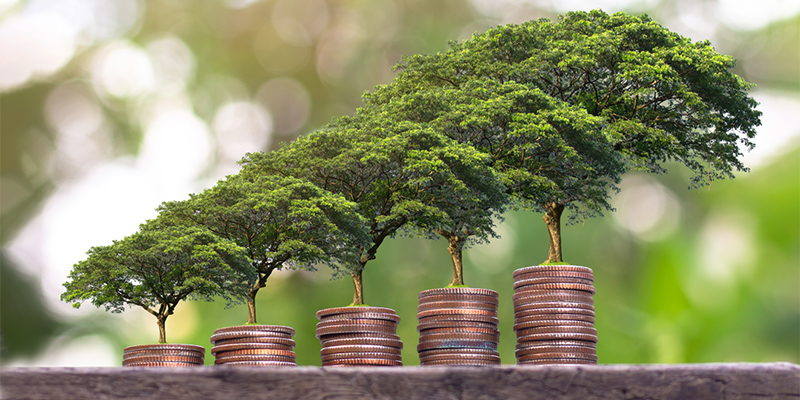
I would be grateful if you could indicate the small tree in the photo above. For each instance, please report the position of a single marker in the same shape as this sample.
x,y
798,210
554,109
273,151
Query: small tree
x,y
158,267
660,96
280,221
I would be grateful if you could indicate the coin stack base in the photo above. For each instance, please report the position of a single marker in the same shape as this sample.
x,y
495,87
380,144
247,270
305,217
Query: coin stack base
x,y
359,336
554,315
458,326
164,355
254,346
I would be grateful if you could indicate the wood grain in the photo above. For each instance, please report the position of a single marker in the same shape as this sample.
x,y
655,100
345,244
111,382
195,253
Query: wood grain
x,y
686,381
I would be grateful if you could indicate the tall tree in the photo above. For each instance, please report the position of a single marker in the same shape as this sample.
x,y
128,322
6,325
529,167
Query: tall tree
x,y
280,221
156,268
661,97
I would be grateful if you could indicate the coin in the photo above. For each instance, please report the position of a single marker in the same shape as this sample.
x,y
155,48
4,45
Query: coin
x,y
548,323
540,268
553,317
557,361
246,334
256,340
355,322
170,353
449,325
362,362
461,363
257,364
520,297
456,318
472,305
163,364
459,297
533,337
494,336
354,329
460,350
556,343
360,335
141,359
255,352
283,330
458,331
558,329
553,308
361,355
327,350
164,346
555,286
223,360
249,346
458,291
364,341
456,311
536,282
457,358
556,349
348,310
366,316
554,274
457,343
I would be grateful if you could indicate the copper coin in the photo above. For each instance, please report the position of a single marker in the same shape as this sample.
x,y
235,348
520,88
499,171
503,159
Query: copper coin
x,y
457,344
321,314
494,336
539,314
256,340
548,323
256,352
521,297
354,362
556,286
460,363
541,268
351,329
471,305
534,337
283,330
246,334
355,322
555,344
554,308
455,358
558,329
141,359
223,360
535,282
358,349
257,364
456,318
591,351
456,311
249,346
164,346
364,341
359,336
163,364
170,353
361,355
529,292
459,297
365,316
454,325
456,351
558,361
458,331
554,274
458,291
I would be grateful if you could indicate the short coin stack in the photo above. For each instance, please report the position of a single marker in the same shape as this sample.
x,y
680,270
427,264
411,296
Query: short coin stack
x,y
554,315
254,345
164,355
458,326
359,336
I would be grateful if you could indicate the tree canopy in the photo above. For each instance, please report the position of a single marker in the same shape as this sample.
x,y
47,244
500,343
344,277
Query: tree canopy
x,y
156,268
280,221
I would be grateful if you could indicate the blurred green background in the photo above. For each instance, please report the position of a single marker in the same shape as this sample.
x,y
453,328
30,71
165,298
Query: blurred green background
x,y
109,108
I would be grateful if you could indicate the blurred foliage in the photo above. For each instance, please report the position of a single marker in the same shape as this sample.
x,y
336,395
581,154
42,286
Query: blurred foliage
x,y
658,300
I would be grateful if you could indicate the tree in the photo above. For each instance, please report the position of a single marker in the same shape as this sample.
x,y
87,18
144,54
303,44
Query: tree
x,y
156,268
399,174
279,220
660,96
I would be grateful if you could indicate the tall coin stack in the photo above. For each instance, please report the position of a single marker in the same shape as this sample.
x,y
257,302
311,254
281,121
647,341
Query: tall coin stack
x,y
359,336
164,355
554,315
254,345
458,326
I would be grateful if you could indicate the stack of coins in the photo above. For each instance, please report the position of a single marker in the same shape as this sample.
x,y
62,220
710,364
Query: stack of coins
x,y
359,336
554,315
458,326
254,345
164,355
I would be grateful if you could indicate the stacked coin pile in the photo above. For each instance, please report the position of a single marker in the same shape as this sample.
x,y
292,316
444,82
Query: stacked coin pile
x,y
554,315
164,355
458,326
359,336
254,345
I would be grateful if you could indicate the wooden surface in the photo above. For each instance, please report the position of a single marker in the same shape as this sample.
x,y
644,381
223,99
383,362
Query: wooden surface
x,y
686,381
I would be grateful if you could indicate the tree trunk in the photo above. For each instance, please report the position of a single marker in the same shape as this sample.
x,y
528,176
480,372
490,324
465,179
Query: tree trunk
x,y
552,218
251,304
162,331
455,249
358,288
